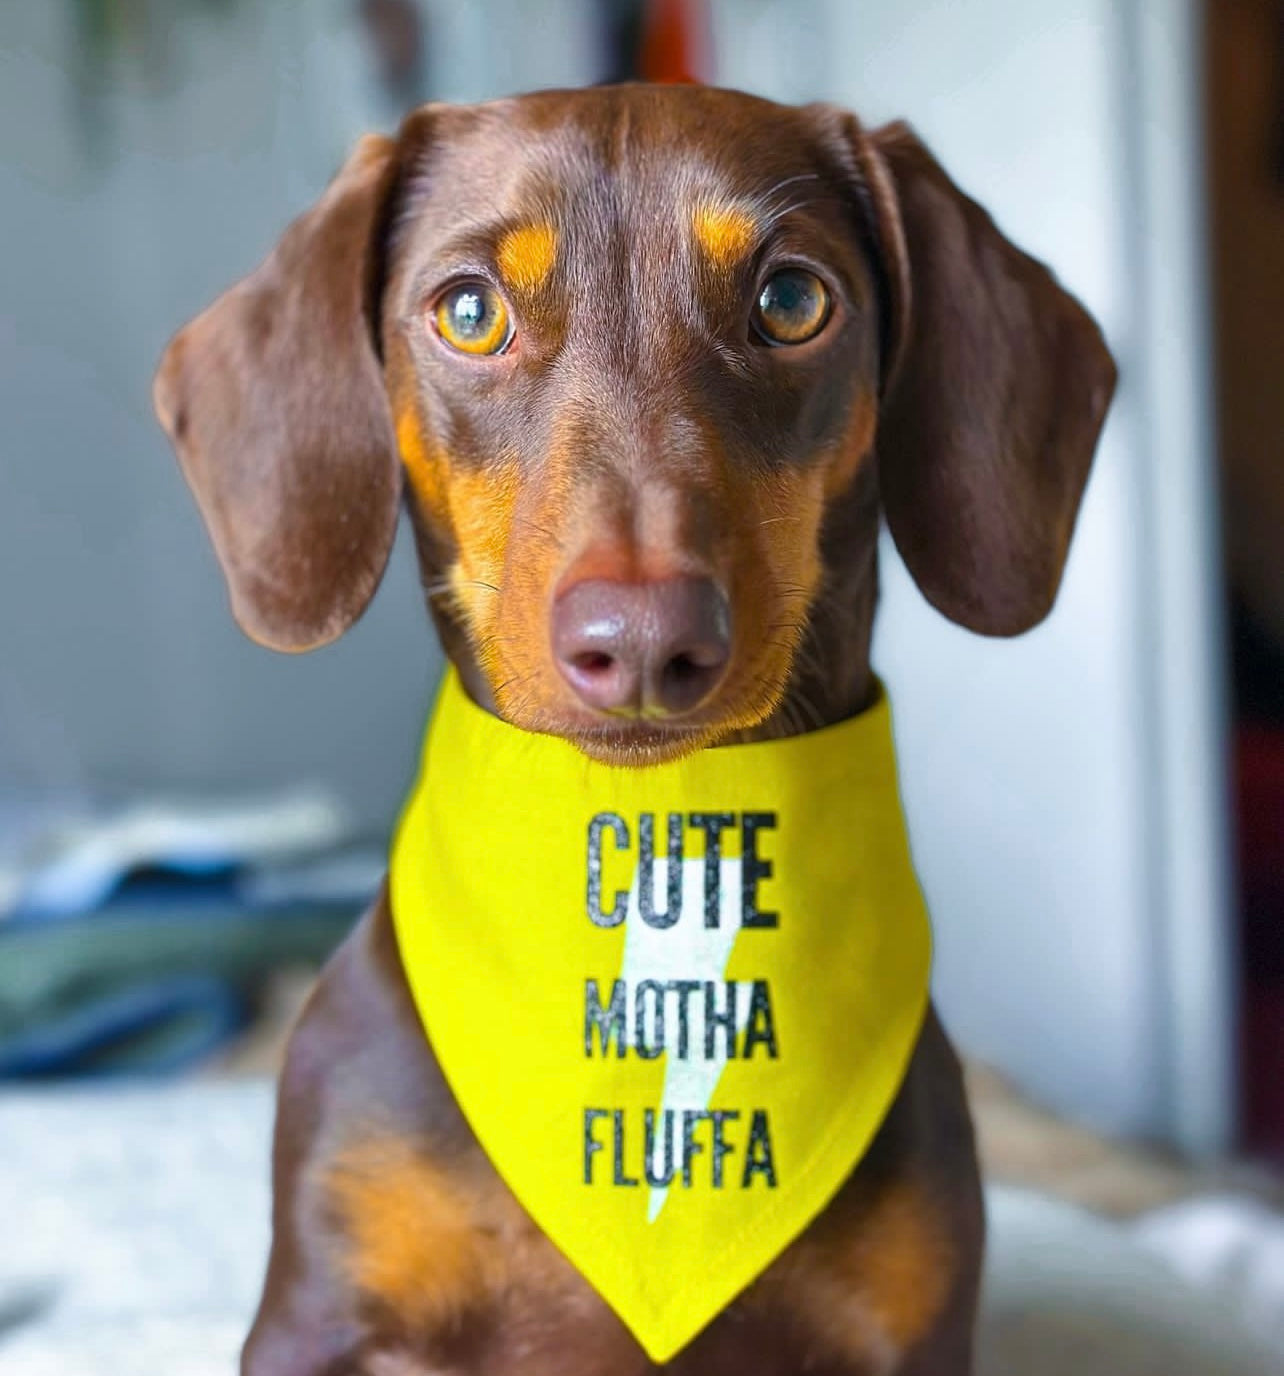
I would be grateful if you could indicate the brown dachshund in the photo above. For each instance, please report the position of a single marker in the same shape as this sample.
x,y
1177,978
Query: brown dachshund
x,y
647,363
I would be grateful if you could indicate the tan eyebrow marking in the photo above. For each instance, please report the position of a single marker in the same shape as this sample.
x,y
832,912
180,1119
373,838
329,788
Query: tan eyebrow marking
x,y
726,233
526,256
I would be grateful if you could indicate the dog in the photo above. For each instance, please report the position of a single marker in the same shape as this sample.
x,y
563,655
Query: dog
x,y
647,365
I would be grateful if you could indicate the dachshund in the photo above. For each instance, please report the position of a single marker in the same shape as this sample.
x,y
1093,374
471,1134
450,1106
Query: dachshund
x,y
647,366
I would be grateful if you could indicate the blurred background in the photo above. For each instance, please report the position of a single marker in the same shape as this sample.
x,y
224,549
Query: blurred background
x,y
188,822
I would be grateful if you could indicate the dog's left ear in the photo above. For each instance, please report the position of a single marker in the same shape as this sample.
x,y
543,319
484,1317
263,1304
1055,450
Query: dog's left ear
x,y
274,399
996,384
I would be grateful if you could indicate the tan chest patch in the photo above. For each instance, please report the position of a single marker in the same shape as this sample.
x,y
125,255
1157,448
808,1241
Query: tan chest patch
x,y
433,1250
408,1238
873,1282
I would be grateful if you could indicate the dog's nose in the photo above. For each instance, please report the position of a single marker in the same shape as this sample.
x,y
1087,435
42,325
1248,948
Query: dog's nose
x,y
656,648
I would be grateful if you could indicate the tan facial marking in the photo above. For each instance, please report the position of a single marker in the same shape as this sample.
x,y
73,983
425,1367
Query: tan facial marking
x,y
474,509
481,505
409,1238
779,574
855,448
427,475
725,233
526,256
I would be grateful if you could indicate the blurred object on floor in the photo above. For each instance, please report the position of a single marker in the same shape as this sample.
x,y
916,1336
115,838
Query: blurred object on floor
x,y
1026,1146
69,864
139,937
1022,1144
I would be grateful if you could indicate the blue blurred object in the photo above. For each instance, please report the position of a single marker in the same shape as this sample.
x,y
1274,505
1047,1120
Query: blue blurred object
x,y
152,1028
138,938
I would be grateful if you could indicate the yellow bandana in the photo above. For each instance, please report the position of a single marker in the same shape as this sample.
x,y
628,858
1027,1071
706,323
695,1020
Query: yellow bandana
x,y
674,1004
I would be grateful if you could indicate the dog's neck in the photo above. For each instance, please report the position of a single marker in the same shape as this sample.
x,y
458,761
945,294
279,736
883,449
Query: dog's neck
x,y
831,679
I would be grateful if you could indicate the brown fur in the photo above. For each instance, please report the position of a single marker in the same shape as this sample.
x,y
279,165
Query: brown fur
x,y
634,431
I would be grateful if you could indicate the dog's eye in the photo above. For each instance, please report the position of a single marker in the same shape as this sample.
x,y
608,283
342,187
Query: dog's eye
x,y
472,318
792,308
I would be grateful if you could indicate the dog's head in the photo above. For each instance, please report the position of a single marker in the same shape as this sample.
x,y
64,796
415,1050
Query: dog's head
x,y
645,361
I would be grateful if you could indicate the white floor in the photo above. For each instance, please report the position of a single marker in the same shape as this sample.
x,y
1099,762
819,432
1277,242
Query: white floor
x,y
133,1232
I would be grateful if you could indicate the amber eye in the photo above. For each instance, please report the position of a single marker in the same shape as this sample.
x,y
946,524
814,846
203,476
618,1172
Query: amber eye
x,y
792,308
472,318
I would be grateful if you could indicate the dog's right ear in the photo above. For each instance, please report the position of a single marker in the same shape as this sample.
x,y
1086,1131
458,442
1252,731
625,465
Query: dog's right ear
x,y
997,383
275,402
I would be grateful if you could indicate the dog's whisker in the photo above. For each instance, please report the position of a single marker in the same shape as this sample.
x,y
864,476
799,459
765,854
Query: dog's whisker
x,y
519,679
451,587
777,215
549,535
767,197
789,181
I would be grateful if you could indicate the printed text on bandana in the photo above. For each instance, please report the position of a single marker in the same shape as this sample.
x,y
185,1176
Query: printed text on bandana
x,y
682,916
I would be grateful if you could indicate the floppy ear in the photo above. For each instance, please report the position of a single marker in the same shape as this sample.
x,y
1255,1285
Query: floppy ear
x,y
274,400
995,391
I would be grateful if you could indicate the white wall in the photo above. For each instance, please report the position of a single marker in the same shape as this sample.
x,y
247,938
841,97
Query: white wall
x,y
1038,772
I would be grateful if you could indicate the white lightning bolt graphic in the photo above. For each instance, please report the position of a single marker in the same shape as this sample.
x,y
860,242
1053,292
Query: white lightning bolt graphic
x,y
688,950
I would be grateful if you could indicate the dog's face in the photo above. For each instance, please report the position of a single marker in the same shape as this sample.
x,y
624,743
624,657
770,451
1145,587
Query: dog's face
x,y
627,368
631,349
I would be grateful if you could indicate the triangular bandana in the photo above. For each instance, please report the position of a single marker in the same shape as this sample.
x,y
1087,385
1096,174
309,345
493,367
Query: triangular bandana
x,y
673,1062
